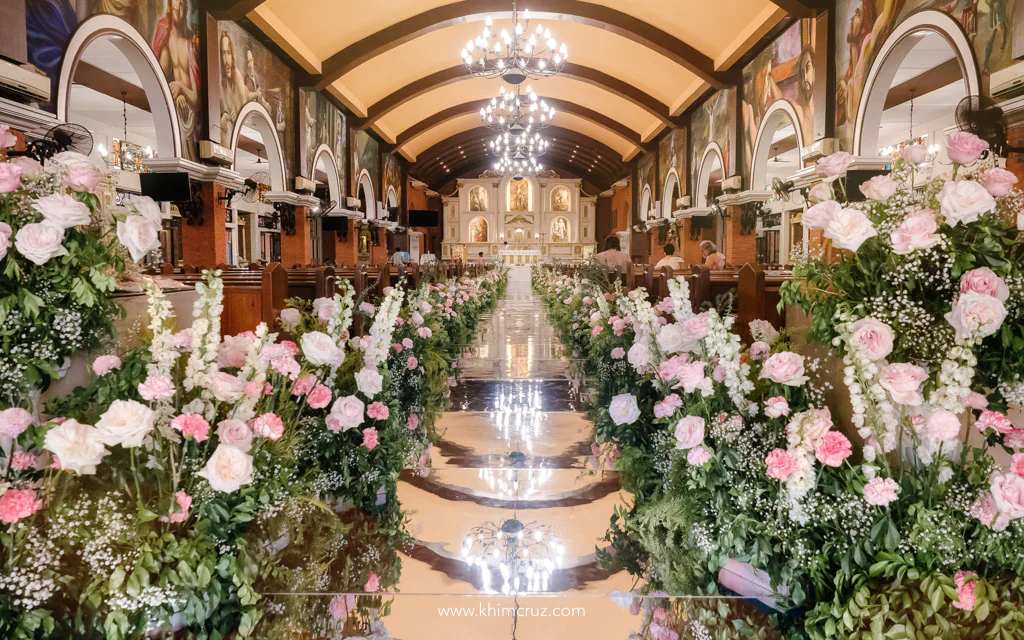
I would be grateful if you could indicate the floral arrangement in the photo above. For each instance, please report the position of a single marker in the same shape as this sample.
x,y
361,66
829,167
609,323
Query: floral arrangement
x,y
180,484
905,516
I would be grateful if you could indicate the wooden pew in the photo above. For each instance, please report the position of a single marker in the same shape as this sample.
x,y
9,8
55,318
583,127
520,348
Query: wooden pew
x,y
759,297
250,297
310,284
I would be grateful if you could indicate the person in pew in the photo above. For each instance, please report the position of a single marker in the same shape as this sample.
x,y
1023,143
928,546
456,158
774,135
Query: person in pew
x,y
670,260
612,257
397,258
712,258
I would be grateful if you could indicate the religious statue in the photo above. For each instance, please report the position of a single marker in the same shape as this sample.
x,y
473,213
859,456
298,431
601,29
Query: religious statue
x,y
519,195
559,230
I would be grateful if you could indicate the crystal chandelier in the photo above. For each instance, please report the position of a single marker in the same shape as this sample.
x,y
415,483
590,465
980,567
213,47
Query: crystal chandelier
x,y
517,55
511,144
518,166
517,113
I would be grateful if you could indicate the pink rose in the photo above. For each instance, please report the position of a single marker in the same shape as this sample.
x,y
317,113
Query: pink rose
x,y
597,331
623,409
81,177
914,154
776,407
397,347
690,376
964,148
413,423
411,363
963,201
268,425
974,400
1016,464
253,388
879,188
718,373
303,385
849,229
14,422
965,582
424,332
902,381
984,281
370,438
1014,440
378,411
618,327
16,504
985,511
233,351
319,397
834,165
367,308
668,406
668,369
689,432
618,353
695,328
833,449
874,336
976,315
917,231
998,182
156,388
341,606
943,425
785,368
103,365
235,433
881,491
372,583
10,177
814,424
666,305
820,192
22,460
818,216
698,456
760,350
1008,494
192,425
780,464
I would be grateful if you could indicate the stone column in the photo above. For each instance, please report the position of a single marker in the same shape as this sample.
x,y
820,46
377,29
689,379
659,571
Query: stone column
x,y
298,247
206,245
740,248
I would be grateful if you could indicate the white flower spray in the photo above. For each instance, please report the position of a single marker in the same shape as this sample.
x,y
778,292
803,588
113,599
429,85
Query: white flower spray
x,y
383,326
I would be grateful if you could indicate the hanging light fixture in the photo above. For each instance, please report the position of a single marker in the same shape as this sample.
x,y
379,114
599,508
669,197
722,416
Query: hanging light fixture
x,y
509,143
517,113
515,55
518,166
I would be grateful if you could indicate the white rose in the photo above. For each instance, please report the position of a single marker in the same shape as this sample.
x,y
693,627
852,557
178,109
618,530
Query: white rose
x,y
672,339
147,208
349,412
623,409
63,210
849,229
290,317
5,239
139,235
976,314
227,469
323,308
820,192
639,355
818,216
78,446
40,241
226,387
369,381
126,423
879,188
964,201
235,433
320,350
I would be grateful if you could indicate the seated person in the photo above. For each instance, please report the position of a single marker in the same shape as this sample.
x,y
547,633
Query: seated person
x,y
612,257
712,258
397,258
670,260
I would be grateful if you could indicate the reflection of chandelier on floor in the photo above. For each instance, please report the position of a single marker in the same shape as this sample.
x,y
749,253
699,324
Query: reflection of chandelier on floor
x,y
517,55
516,113
507,481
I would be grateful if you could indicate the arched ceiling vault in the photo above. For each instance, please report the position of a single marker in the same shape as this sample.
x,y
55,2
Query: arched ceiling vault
x,y
634,67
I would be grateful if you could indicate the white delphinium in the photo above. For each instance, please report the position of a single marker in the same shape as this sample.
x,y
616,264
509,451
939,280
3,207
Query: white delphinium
x,y
1013,392
160,313
383,326
206,312
253,371
873,413
723,343
341,318
955,375
679,291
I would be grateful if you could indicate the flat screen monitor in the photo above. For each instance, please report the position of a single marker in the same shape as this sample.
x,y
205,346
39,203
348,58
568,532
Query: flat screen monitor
x,y
166,187
423,218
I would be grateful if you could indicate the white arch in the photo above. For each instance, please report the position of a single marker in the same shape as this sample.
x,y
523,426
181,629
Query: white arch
x,y
645,203
264,123
392,198
534,192
887,63
140,55
365,184
667,201
704,176
774,119
333,181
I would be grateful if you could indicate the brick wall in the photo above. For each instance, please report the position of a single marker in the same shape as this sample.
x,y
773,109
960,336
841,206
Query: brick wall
x,y
345,249
297,248
690,249
739,249
1015,163
206,246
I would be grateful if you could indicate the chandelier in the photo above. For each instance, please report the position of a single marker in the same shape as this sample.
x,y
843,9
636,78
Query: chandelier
x,y
523,144
516,113
517,55
518,166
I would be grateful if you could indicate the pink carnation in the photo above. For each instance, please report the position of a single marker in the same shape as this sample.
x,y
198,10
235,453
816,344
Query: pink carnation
x,y
618,353
157,388
1016,464
698,455
103,365
370,438
14,422
372,583
411,363
833,449
1014,440
183,502
397,347
268,425
776,407
413,423
378,411
424,332
975,400
290,347
881,491
16,504
668,406
319,397
407,343
192,425
303,385
965,582
22,460
780,464
993,420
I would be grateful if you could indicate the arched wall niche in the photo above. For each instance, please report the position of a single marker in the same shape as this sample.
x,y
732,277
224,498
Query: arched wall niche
x,y
134,47
668,199
256,116
779,115
366,195
645,203
711,160
325,155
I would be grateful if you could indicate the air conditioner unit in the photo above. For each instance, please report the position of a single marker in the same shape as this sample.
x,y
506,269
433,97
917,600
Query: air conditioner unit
x,y
683,202
735,183
1008,82
210,150
24,83
304,184
353,203
820,149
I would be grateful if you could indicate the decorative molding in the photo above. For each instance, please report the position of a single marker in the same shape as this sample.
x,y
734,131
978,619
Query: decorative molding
x,y
31,121
744,197
201,172
292,198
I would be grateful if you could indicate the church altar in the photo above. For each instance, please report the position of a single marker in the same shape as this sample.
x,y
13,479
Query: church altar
x,y
519,256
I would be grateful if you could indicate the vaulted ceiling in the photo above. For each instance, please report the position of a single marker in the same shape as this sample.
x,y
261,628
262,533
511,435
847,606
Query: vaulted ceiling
x,y
634,67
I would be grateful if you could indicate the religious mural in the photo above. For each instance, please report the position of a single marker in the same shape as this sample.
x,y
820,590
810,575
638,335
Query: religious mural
x,y
560,199
672,155
391,176
322,124
560,230
248,72
478,199
713,121
478,230
785,70
862,26
365,155
518,195
169,26
645,171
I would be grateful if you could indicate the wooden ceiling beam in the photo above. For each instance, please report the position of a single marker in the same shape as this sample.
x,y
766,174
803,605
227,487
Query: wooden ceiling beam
x,y
803,8
466,11
231,9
